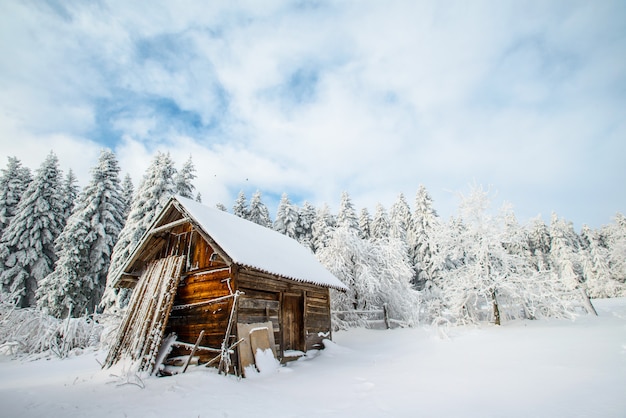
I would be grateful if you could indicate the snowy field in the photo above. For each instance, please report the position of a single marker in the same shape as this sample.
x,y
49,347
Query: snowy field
x,y
523,369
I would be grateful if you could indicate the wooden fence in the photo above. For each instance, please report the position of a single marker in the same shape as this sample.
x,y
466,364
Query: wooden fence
x,y
370,318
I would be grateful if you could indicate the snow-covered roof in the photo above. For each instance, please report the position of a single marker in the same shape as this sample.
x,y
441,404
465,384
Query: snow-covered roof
x,y
255,246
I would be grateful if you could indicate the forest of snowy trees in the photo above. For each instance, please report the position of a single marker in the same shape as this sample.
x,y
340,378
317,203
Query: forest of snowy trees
x,y
58,245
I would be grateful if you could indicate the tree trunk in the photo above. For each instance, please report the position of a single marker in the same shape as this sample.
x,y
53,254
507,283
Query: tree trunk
x,y
496,310
587,301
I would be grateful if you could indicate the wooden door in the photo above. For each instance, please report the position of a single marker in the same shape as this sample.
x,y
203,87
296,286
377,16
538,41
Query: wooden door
x,y
293,322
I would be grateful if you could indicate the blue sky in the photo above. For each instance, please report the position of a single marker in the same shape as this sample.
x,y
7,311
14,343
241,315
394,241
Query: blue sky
x,y
313,98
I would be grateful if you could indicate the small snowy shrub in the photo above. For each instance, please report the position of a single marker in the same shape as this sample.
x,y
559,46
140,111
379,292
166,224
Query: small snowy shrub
x,y
29,331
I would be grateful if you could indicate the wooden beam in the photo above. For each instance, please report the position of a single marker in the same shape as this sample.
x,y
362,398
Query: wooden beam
x,y
193,351
168,226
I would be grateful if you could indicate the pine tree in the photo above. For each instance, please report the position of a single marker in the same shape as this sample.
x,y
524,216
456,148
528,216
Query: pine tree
x,y
365,221
221,206
27,246
259,214
380,223
400,219
240,208
421,249
400,223
615,237
156,188
13,182
322,228
596,268
565,259
183,179
69,193
127,194
346,216
85,245
286,217
304,227
518,240
539,244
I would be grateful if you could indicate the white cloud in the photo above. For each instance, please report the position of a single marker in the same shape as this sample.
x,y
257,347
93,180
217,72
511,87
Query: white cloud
x,y
369,97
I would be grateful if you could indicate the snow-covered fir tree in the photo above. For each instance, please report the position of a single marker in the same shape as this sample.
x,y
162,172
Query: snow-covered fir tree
x,y
539,244
322,228
128,190
286,217
221,206
240,208
258,213
596,269
69,192
518,241
400,224
400,219
183,180
566,260
365,222
304,227
84,247
27,252
156,187
421,252
346,216
13,182
615,237
380,223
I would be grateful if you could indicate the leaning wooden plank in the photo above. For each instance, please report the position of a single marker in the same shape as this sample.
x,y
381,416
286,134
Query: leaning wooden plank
x,y
141,333
150,324
166,290
193,351
246,358
199,348
166,307
260,341
246,354
147,307
120,347
122,339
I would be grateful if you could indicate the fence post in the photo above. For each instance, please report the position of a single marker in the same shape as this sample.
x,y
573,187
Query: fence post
x,y
386,316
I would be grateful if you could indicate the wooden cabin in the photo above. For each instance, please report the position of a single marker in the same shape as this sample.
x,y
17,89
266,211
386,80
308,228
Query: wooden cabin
x,y
205,280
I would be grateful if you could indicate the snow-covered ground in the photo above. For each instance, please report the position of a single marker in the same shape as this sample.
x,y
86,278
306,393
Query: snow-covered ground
x,y
522,369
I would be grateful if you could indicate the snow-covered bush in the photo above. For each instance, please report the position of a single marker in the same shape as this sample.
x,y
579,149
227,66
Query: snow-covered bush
x,y
31,332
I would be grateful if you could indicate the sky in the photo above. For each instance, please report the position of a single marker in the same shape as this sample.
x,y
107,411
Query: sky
x,y
313,98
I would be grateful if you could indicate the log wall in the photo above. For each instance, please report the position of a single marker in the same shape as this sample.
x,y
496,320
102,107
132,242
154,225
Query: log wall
x,y
190,315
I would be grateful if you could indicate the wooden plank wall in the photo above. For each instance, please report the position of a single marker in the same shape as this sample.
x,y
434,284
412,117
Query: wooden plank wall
x,y
317,317
213,318
268,290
